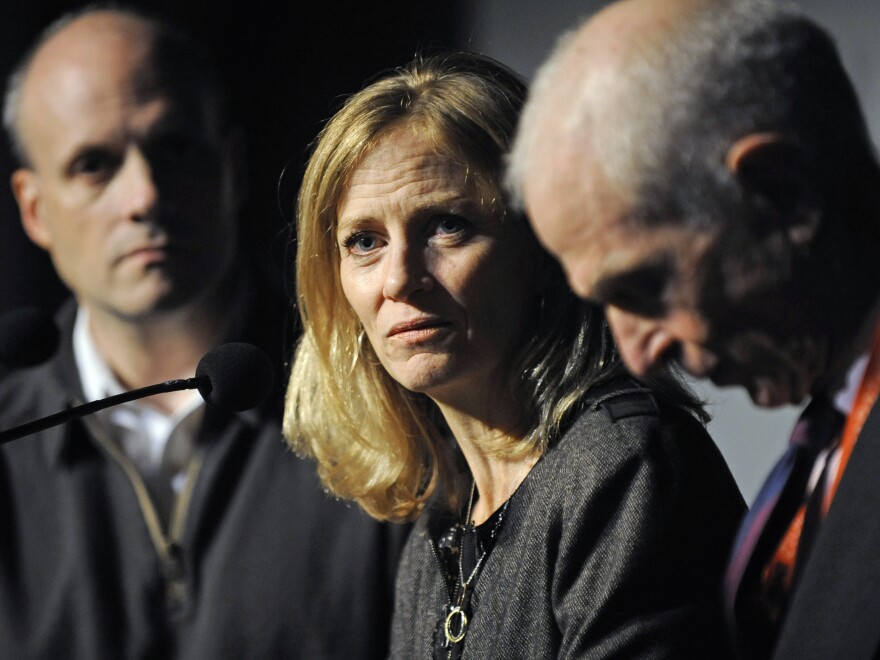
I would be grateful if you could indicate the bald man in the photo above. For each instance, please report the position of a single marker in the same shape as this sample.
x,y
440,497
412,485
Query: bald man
x,y
161,528
703,170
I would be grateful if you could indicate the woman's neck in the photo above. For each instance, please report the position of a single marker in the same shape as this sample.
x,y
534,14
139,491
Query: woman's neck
x,y
496,477
495,481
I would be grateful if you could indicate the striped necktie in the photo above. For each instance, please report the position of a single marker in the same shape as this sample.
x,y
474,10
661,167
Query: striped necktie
x,y
754,607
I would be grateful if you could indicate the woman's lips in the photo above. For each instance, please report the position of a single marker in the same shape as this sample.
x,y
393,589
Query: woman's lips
x,y
416,329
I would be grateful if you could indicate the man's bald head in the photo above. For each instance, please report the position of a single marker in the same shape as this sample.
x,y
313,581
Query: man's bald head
x,y
699,167
587,131
153,54
589,99
638,109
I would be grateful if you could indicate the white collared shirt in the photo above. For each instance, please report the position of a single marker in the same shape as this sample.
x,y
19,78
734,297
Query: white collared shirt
x,y
828,461
155,442
845,399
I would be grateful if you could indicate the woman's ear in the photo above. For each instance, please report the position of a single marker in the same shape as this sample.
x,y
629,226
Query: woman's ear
x,y
776,168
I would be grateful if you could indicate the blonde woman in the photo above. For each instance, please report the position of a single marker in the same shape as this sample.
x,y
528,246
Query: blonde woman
x,y
447,374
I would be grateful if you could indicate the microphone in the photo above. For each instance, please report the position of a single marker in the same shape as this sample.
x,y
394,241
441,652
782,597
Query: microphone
x,y
28,336
234,376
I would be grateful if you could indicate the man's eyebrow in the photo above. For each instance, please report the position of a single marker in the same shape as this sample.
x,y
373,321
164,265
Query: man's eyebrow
x,y
85,150
640,290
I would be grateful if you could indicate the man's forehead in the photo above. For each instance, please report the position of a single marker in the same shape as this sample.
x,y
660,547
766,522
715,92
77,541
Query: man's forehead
x,y
81,103
77,111
597,251
568,196
572,228
76,68
621,250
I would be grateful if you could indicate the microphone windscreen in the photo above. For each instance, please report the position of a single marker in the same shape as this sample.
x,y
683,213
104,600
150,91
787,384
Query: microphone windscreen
x,y
235,376
28,336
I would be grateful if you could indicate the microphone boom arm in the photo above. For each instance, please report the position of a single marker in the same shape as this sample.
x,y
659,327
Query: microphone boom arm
x,y
94,406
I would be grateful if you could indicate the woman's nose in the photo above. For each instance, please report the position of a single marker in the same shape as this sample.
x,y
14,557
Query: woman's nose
x,y
407,273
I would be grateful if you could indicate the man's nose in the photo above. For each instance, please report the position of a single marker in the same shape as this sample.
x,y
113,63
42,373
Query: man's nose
x,y
407,273
139,191
642,342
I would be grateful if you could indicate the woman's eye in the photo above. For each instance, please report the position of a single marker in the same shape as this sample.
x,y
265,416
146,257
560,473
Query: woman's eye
x,y
451,224
361,243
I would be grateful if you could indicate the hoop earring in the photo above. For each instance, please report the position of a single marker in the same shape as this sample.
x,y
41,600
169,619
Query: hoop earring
x,y
365,349
356,353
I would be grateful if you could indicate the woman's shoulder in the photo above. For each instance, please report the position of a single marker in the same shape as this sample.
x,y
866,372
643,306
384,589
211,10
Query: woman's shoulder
x,y
623,424
628,449
625,409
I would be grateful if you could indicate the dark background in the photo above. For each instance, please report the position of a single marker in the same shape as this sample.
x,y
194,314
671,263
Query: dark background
x,y
287,64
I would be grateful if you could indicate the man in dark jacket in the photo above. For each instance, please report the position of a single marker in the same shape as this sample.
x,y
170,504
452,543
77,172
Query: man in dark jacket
x,y
162,528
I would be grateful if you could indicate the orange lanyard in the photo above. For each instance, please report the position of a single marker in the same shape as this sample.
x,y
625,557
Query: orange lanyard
x,y
869,388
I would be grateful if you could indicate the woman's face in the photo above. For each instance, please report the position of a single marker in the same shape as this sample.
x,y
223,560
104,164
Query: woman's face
x,y
443,288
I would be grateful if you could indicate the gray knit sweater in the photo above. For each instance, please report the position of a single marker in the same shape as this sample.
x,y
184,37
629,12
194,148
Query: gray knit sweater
x,y
613,547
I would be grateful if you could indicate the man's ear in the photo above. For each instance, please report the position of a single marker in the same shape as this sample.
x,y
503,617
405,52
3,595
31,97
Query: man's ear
x,y
26,188
776,169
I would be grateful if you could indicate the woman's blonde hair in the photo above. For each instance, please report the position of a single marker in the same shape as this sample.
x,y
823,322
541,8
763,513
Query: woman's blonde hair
x,y
374,441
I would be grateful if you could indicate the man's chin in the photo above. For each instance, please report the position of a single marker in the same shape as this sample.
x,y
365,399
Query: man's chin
x,y
144,308
767,392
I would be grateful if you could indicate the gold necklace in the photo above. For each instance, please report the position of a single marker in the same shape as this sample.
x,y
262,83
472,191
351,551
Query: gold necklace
x,y
456,623
455,626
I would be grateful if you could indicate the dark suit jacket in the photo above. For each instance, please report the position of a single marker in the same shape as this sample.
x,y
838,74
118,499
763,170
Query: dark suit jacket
x,y
266,566
835,611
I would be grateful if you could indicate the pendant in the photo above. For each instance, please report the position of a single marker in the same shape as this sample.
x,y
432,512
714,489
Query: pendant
x,y
456,615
